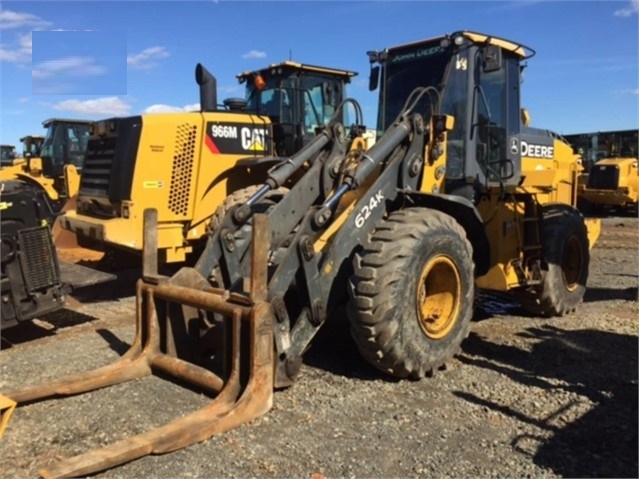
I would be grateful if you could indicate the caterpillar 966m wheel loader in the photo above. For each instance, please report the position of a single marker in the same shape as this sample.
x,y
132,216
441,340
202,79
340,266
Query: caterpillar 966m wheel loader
x,y
456,193
186,164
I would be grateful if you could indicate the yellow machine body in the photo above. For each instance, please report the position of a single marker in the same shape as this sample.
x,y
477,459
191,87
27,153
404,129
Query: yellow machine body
x,y
612,182
186,164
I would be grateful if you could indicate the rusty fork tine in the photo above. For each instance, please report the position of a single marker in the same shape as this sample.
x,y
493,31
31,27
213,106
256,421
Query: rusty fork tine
x,y
145,356
134,364
222,414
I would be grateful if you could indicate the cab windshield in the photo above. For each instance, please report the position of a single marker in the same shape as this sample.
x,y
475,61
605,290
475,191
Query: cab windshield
x,y
65,144
406,69
310,100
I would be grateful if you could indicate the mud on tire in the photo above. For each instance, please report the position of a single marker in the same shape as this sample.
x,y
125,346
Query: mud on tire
x,y
412,293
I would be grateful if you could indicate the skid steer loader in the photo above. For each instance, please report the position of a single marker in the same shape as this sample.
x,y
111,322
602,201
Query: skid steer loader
x,y
456,193
187,164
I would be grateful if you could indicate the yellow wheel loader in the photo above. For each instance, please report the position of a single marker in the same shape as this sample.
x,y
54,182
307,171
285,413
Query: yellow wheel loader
x,y
7,155
611,183
186,164
456,193
32,146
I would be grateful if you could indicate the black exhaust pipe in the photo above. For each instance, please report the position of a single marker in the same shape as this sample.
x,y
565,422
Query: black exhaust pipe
x,y
208,88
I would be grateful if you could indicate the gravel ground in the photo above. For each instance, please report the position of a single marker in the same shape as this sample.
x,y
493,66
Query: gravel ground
x,y
526,397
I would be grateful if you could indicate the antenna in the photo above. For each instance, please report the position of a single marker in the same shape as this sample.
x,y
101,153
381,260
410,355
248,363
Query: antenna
x,y
290,55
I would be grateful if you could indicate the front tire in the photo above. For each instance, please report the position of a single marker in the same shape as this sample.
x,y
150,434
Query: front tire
x,y
412,293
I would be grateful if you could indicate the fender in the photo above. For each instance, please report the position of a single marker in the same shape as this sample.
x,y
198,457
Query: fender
x,y
466,215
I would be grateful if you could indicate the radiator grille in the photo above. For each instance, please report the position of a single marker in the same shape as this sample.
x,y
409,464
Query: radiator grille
x,y
37,257
181,173
604,177
96,171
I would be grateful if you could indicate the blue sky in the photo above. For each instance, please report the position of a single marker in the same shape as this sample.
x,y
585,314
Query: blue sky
x,y
131,57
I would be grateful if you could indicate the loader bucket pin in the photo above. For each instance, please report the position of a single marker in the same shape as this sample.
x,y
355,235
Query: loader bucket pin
x,y
241,396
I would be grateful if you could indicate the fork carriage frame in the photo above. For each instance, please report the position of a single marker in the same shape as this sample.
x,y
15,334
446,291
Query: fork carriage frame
x,y
244,394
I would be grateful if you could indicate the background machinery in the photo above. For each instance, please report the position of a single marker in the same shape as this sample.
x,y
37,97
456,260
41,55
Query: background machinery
x,y
611,177
32,146
34,191
187,164
7,155
457,193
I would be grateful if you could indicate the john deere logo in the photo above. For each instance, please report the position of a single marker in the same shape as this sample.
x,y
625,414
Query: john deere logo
x,y
514,146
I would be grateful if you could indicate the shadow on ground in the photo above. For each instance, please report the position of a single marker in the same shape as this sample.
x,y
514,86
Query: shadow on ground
x,y
597,365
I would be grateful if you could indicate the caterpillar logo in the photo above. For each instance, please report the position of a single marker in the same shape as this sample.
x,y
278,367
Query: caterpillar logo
x,y
236,138
253,139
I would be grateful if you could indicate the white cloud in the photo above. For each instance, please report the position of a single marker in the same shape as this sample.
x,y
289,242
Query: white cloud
x,y
20,53
254,54
632,9
77,66
162,108
107,106
10,19
23,99
144,59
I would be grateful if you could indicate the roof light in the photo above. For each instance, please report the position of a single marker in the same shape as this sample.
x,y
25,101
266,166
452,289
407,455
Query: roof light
x,y
259,82
458,40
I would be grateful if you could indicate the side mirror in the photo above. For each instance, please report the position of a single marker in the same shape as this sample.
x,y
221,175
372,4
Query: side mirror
x,y
373,79
492,58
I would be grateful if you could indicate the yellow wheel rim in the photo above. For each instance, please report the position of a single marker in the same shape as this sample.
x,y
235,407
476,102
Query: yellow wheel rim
x,y
438,296
572,263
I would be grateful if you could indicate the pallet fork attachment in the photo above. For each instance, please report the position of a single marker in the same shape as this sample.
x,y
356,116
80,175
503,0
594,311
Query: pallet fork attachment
x,y
246,391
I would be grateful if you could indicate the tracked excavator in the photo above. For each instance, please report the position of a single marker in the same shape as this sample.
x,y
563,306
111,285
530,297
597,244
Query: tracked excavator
x,y
187,165
457,193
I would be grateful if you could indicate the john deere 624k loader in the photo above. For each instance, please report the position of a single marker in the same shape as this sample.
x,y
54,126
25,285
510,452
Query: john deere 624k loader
x,y
456,193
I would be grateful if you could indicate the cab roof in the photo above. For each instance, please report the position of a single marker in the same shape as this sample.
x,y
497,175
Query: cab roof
x,y
34,137
294,66
480,38
48,122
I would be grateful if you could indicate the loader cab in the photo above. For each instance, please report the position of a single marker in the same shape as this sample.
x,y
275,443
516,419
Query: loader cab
x,y
32,146
7,155
476,79
298,99
65,143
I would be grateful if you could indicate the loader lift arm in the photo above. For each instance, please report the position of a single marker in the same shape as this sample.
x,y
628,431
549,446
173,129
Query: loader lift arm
x,y
399,154
169,312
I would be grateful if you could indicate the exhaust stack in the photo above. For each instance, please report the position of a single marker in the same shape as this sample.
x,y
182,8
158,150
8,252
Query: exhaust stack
x,y
208,88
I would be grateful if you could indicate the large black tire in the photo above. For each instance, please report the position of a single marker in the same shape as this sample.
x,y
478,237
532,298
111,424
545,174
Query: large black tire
x,y
412,293
567,257
238,197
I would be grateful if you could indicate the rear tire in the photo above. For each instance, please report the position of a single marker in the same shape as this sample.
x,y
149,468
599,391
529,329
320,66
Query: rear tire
x,y
412,293
567,254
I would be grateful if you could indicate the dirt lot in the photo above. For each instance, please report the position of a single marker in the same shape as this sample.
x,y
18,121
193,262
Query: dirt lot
x,y
526,397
